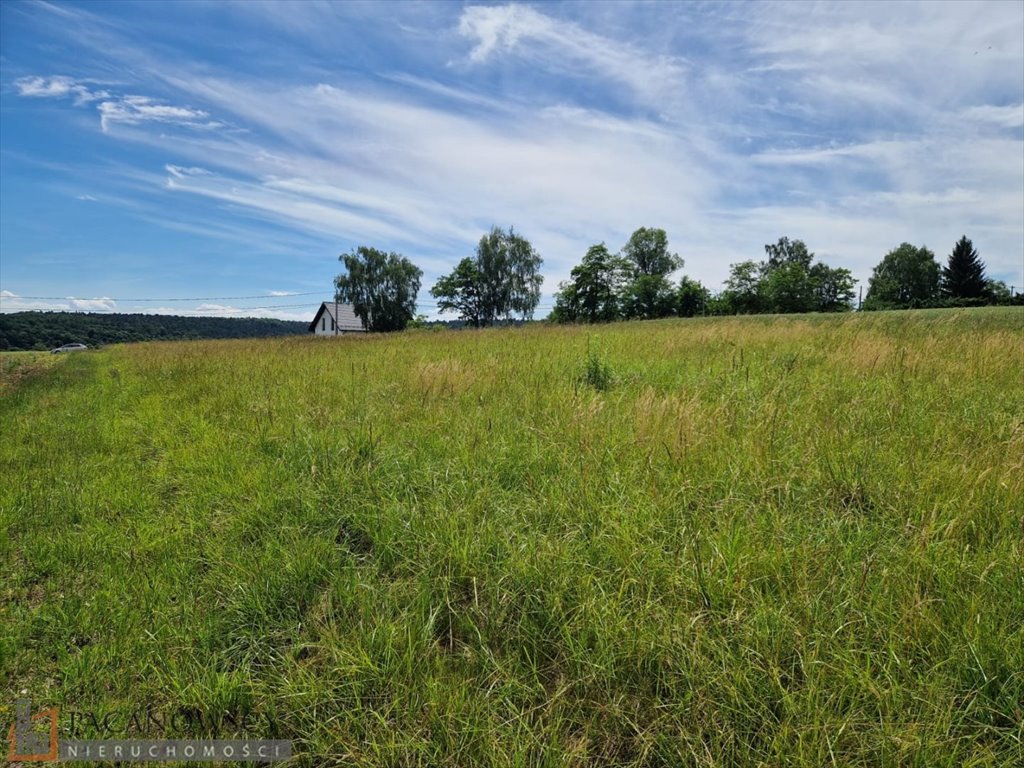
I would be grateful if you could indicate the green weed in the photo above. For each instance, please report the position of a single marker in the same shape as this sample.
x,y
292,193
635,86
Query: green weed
x,y
597,372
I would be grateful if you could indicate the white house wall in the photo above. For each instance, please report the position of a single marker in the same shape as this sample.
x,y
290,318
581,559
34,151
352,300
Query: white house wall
x,y
328,332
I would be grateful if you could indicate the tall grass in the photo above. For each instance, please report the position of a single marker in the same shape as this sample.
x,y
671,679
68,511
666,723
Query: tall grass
x,y
775,541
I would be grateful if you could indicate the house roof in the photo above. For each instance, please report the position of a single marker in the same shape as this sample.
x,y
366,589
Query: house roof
x,y
343,315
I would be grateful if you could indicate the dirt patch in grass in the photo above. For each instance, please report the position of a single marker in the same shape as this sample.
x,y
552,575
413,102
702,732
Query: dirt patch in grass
x,y
16,368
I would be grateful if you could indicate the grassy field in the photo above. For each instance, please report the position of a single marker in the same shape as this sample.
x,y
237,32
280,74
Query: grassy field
x,y
733,541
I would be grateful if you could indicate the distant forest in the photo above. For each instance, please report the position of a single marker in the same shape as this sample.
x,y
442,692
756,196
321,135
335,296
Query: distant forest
x,y
47,330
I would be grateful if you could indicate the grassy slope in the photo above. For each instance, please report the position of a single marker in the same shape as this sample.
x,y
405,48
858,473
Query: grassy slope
x,y
774,540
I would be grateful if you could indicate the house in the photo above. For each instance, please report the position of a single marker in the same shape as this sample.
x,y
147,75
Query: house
x,y
335,319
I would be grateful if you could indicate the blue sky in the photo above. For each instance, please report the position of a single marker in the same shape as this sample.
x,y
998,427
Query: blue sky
x,y
181,150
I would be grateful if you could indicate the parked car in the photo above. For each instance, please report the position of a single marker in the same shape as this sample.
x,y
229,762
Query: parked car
x,y
68,348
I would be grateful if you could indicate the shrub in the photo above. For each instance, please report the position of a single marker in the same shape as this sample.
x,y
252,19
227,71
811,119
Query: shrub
x,y
597,372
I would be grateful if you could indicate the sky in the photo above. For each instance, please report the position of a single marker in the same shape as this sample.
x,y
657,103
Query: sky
x,y
217,158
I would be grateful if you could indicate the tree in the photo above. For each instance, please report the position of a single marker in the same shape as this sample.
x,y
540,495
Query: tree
x,y
381,287
460,292
786,252
963,277
649,297
510,281
647,263
567,304
833,288
790,283
787,281
743,292
906,277
592,293
691,298
502,280
998,291
787,287
647,253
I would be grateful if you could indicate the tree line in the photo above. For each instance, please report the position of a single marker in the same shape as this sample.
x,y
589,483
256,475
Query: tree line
x,y
910,277
502,281
501,284
635,284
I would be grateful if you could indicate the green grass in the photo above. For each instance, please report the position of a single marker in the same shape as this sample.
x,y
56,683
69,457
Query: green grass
x,y
760,541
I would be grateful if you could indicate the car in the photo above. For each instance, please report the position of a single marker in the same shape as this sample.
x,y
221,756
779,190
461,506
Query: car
x,y
68,348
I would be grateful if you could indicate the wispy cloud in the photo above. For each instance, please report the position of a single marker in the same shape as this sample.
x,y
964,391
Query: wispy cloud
x,y
426,175
565,46
852,126
1006,116
127,109
132,110
58,87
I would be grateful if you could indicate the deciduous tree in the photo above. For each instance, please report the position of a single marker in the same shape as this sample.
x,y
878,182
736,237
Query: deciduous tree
x,y
648,263
647,253
742,291
460,292
503,279
832,287
591,295
906,277
648,297
691,297
381,287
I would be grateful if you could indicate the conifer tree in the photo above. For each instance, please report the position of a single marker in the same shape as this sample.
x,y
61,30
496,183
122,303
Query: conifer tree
x,y
963,277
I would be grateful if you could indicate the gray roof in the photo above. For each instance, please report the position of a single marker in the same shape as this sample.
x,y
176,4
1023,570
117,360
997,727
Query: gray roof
x,y
343,314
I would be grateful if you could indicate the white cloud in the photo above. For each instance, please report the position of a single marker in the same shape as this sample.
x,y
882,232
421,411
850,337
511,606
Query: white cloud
x,y
12,302
911,63
228,310
180,172
132,110
432,180
851,126
425,179
104,304
127,109
1008,116
57,87
561,46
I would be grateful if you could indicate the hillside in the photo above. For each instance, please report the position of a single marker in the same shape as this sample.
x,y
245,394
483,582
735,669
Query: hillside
x,y
47,330
725,541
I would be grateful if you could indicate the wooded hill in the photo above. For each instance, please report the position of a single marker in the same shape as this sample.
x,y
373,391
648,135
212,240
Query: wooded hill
x,y
46,330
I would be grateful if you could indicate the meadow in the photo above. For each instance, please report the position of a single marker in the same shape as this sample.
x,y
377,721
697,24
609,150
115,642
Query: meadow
x,y
786,541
